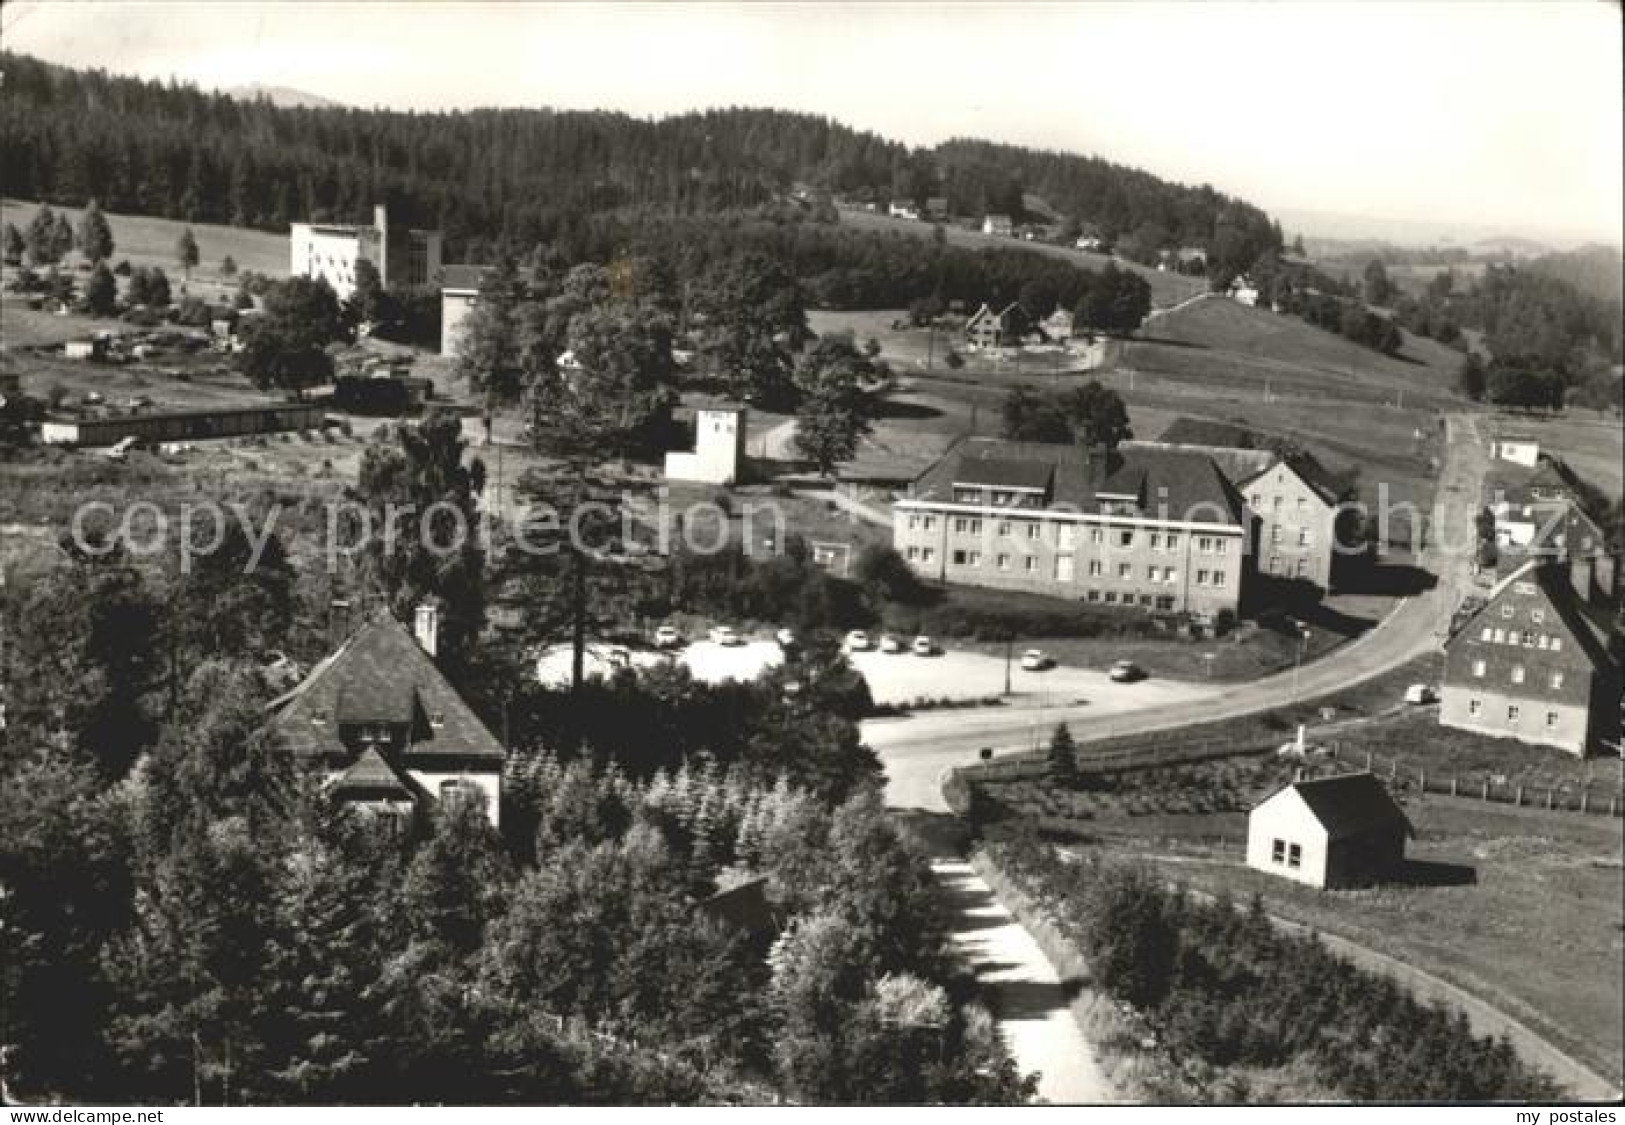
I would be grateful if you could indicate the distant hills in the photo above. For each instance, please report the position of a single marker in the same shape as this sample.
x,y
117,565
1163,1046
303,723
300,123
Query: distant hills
x,y
285,97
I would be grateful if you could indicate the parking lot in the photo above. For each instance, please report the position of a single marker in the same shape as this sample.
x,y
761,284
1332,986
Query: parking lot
x,y
897,678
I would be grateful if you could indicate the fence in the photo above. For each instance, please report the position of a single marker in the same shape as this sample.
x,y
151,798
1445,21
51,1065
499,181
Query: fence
x,y
1588,797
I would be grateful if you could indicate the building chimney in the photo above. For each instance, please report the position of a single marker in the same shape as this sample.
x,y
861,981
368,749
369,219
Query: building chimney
x,y
380,220
426,627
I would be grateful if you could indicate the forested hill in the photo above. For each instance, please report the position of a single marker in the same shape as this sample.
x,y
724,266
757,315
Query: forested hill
x,y
159,148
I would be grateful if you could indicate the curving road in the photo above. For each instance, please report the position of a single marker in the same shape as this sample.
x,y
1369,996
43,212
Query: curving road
x,y
1020,984
917,751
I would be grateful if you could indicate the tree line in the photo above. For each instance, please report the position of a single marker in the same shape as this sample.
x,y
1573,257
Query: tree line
x,y
167,149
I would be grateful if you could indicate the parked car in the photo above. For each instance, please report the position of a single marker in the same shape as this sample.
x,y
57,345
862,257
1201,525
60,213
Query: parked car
x,y
726,636
924,646
667,636
1036,660
1126,672
858,641
890,644
1419,694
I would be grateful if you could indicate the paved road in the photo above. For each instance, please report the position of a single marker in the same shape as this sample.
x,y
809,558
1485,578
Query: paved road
x,y
919,750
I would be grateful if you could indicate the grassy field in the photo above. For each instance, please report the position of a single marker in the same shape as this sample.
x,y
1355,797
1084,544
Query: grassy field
x,y
1526,912
1593,445
1294,356
148,241
1166,288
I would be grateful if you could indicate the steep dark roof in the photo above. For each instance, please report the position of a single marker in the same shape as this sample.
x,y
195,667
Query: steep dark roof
x,y
1350,803
1243,454
1174,482
998,472
745,907
381,675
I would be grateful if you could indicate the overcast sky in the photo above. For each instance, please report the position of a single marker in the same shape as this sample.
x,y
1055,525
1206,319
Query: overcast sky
x,y
1504,115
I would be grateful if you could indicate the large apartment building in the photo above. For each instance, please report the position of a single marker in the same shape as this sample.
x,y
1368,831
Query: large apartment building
x,y
1293,499
1156,529
1529,665
332,250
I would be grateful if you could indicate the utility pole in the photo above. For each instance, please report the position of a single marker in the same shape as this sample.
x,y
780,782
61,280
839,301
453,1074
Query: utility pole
x,y
1009,649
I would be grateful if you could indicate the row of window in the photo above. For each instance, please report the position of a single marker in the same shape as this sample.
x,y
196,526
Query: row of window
x,y
1299,569
1256,500
1555,680
1066,534
1526,637
1109,597
1303,535
1475,708
1065,567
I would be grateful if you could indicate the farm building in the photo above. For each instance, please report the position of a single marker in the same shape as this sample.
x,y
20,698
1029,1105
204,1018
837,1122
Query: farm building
x,y
1528,665
1343,831
183,425
903,209
384,729
331,251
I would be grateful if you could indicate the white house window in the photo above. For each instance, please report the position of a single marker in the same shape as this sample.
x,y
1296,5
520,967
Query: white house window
x,y
1303,537
1551,719
1506,611
1167,574
1029,564
1303,504
1303,568
1004,529
1277,851
928,554
1156,541
930,523
1275,534
1537,616
1034,531
1004,562
1513,711
1063,568
1294,856
1557,644
1487,634
913,523
1557,681
1095,569
1478,668
1218,578
1475,707
1124,571
1125,538
1096,536
975,558
318,718
1500,636
913,554
1173,541
959,558
1066,535
437,718
1517,673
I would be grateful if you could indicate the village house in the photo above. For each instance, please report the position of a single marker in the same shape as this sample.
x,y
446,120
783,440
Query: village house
x,y
331,251
1058,325
998,224
1330,832
1530,665
1519,449
1243,291
936,209
903,209
380,725
1293,501
1155,529
1002,329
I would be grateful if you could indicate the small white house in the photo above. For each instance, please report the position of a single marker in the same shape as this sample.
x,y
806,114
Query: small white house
x,y
998,224
1243,291
1342,831
1516,448
719,448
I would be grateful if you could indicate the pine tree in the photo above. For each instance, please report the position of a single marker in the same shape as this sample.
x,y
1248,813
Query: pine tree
x,y
1063,762
186,252
95,236
12,247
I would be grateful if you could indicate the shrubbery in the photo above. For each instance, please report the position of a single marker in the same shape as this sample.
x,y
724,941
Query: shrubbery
x,y
1223,987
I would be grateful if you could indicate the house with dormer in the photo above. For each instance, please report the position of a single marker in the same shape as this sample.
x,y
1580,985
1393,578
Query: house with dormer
x,y
1530,665
383,729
